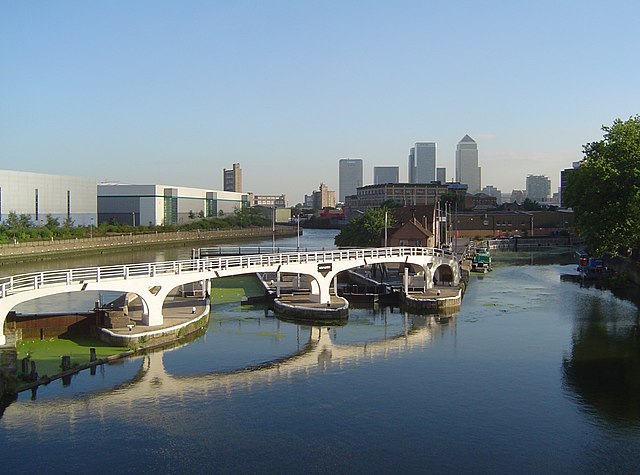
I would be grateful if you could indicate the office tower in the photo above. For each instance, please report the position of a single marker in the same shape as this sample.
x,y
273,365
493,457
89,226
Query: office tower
x,y
233,179
467,169
382,175
441,175
324,198
565,176
422,162
350,177
538,188
518,196
411,170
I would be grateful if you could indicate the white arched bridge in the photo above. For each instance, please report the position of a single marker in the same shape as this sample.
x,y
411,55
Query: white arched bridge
x,y
153,282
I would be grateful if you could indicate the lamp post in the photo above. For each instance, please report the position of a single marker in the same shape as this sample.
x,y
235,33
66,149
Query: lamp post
x,y
91,228
298,233
133,219
386,218
273,229
531,225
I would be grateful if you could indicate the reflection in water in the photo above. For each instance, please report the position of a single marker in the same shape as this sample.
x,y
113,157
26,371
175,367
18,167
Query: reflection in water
x,y
604,367
319,352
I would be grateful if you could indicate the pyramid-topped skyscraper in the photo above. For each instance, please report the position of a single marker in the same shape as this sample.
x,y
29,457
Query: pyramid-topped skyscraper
x,y
467,169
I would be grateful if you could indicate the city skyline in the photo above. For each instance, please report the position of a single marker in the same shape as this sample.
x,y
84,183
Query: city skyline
x,y
167,92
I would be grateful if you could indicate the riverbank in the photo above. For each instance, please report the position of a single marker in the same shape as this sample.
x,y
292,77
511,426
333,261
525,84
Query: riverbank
x,y
41,250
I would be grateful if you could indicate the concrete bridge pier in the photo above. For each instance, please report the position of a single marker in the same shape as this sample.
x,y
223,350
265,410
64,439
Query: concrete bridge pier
x,y
321,289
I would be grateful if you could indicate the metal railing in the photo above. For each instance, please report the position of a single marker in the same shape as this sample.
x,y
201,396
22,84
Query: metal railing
x,y
36,280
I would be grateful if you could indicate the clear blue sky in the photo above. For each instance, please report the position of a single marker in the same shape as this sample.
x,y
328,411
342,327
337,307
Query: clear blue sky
x,y
172,92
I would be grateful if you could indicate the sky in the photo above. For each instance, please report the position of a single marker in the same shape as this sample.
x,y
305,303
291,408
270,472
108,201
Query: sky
x,y
172,92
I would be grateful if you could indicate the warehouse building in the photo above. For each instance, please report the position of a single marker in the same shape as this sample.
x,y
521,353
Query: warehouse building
x,y
154,205
65,198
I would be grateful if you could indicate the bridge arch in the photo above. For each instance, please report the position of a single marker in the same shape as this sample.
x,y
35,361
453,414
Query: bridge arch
x,y
153,281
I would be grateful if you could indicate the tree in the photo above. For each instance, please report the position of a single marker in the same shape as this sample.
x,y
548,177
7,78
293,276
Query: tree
x,y
455,200
51,222
604,191
365,230
12,220
24,221
531,205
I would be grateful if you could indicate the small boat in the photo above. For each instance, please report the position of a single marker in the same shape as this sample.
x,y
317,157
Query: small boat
x,y
481,260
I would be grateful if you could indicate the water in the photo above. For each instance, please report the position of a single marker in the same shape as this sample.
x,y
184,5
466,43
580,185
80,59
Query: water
x,y
533,375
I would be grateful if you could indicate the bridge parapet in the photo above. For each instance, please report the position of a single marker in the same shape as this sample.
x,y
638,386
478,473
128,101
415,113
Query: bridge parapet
x,y
147,278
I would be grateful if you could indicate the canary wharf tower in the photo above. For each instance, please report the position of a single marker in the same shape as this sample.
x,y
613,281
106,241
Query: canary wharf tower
x,y
467,169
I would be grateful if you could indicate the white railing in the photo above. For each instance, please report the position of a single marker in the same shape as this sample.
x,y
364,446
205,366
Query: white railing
x,y
25,282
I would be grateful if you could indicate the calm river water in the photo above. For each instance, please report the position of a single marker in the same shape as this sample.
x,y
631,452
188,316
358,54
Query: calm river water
x,y
533,375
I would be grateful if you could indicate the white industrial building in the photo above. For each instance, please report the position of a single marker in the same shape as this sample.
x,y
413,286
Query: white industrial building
x,y
154,205
39,194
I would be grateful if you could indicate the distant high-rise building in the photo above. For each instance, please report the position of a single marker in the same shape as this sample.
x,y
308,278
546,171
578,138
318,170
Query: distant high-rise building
x,y
467,169
382,175
423,158
538,188
411,170
441,175
323,198
565,176
232,179
491,190
518,196
349,177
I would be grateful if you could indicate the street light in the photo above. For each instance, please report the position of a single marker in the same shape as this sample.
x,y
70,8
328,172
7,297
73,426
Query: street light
x,y
531,225
386,213
91,228
298,233
273,229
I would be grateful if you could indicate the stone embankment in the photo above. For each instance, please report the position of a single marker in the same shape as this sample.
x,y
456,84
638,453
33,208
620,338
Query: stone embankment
x,y
44,249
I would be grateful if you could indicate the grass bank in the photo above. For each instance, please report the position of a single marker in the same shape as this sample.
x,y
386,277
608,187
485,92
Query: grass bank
x,y
235,288
48,353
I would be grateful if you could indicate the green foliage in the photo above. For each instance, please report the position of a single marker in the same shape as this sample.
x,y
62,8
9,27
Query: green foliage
x,y
20,228
454,199
365,230
51,222
605,191
12,220
531,205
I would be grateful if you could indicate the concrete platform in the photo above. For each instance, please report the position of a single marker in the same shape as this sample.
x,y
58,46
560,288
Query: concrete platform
x,y
301,306
182,316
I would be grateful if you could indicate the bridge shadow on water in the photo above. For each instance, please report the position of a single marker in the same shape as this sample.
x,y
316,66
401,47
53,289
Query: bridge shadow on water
x,y
317,352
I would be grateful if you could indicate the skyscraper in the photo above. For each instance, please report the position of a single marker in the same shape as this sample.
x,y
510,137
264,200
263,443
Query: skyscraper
x,y
441,174
423,158
350,177
232,179
382,175
411,170
467,169
538,187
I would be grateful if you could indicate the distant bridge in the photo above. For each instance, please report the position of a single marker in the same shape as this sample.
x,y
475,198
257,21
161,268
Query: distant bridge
x,y
153,282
